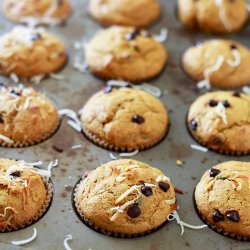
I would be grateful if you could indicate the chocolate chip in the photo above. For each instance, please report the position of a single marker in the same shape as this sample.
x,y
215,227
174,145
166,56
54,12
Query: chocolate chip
x,y
214,172
147,191
164,186
212,103
127,85
232,46
226,104
36,36
16,174
107,89
138,119
14,92
233,216
194,125
236,93
57,148
134,211
132,35
217,216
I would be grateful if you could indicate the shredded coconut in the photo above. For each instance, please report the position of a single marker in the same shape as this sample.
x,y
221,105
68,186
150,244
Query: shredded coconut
x,y
75,125
111,155
222,14
14,78
174,216
6,139
162,37
37,79
73,121
246,90
117,83
171,202
65,242
150,89
199,148
57,77
76,146
237,59
162,178
26,241
221,111
129,154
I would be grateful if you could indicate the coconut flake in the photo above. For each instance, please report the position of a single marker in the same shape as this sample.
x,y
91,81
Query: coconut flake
x,y
14,78
171,201
65,242
237,59
150,89
35,164
162,178
6,139
81,66
162,37
199,148
27,102
111,155
74,122
174,216
222,14
75,125
246,90
129,154
128,192
36,79
76,146
26,241
221,111
118,83
57,77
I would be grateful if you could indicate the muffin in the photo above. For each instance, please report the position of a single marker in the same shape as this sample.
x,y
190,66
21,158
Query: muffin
x,y
221,121
26,117
125,198
222,198
125,53
138,13
124,119
221,63
213,16
25,194
29,52
37,12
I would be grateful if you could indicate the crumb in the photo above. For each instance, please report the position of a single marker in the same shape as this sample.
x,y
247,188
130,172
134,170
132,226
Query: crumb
x,y
180,163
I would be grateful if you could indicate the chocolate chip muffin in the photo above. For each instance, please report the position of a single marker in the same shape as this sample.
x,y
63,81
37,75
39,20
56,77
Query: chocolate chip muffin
x,y
125,198
213,16
221,121
138,13
223,199
125,53
25,194
37,12
221,63
29,52
124,119
26,117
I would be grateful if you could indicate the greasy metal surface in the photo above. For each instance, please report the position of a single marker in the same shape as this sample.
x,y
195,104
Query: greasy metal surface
x,y
72,93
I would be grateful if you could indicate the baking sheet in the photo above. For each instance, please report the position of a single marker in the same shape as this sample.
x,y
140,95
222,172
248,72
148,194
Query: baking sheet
x,y
73,92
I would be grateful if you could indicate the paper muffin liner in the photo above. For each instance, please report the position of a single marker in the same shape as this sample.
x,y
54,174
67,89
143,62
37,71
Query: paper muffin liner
x,y
22,144
219,230
39,215
99,142
96,228
219,150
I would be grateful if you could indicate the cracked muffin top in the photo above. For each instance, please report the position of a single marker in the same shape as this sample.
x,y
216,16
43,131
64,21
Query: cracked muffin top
x,y
125,53
37,12
221,63
125,197
213,16
124,119
29,52
138,13
223,198
221,121
24,194
26,117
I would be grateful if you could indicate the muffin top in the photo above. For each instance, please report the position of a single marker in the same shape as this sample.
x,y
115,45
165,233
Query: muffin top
x,y
138,13
223,197
213,16
23,194
26,116
125,118
126,197
224,63
37,12
221,121
125,53
29,52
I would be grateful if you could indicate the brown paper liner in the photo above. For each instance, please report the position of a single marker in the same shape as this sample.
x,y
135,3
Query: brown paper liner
x,y
218,230
91,225
40,214
23,144
101,143
220,151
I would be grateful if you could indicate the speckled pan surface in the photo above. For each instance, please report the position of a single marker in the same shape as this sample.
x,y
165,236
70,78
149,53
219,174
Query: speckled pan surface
x,y
72,93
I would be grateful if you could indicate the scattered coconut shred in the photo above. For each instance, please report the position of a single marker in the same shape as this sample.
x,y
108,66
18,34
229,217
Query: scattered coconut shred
x,y
26,241
65,242
162,37
73,120
199,148
113,157
221,111
6,139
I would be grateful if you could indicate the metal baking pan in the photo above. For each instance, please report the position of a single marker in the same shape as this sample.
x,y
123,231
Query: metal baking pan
x,y
179,92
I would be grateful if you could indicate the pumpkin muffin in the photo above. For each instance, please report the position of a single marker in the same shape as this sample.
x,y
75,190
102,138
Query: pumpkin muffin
x,y
221,63
223,199
221,121
37,12
213,16
124,119
25,194
26,117
125,198
125,53
30,52
138,13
